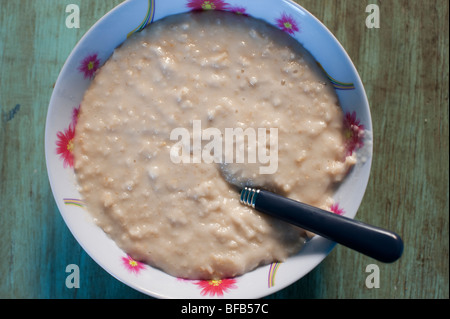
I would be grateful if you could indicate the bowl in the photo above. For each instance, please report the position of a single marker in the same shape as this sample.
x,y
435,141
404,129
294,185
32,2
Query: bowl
x,y
94,49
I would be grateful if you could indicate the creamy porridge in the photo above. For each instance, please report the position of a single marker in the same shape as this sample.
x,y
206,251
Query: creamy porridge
x,y
223,71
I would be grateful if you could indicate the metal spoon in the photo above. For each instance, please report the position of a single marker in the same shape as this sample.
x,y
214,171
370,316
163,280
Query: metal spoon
x,y
375,242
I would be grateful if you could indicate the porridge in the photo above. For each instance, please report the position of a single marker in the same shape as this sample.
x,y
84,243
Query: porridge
x,y
223,71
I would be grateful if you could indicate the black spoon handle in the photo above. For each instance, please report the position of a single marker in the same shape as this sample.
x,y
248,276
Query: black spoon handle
x,y
375,242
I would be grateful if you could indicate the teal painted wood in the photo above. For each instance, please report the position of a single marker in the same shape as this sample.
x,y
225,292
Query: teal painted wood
x,y
404,66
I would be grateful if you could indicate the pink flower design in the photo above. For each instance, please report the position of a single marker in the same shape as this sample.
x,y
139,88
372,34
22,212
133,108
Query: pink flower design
x,y
132,265
75,115
199,5
238,10
336,209
287,23
216,287
354,133
65,145
89,65
180,279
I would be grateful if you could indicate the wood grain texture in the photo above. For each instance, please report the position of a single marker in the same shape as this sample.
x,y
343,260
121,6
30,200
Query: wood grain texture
x,y
404,66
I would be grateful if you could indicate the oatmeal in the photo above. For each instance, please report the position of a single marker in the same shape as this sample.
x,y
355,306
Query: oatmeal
x,y
223,71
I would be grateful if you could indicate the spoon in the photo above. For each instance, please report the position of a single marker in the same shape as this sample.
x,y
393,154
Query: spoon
x,y
380,244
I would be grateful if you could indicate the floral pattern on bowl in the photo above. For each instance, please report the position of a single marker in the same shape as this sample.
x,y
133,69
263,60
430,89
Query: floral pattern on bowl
x,y
94,49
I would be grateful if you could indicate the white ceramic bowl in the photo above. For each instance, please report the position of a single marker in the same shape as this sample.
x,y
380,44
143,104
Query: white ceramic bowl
x,y
95,48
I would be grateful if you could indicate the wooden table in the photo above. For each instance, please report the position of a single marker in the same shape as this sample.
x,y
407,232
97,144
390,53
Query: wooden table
x,y
404,66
